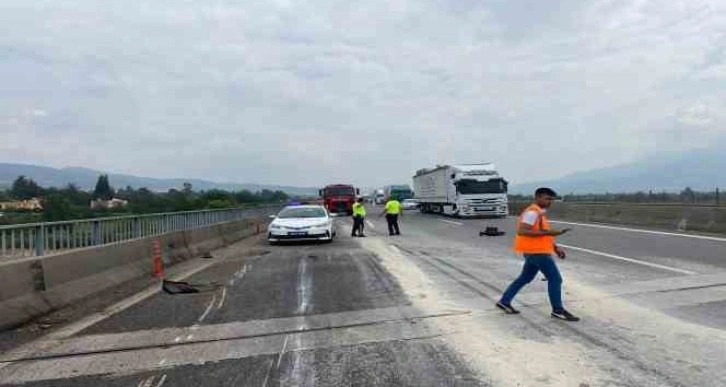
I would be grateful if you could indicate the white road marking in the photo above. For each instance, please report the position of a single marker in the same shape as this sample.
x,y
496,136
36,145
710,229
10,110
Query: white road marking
x,y
297,373
267,376
451,222
370,224
238,275
664,233
282,352
626,259
177,339
221,300
189,337
161,381
146,382
304,286
209,308
162,361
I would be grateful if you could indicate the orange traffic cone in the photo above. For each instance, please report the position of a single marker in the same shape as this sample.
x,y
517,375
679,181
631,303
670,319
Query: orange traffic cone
x,y
158,265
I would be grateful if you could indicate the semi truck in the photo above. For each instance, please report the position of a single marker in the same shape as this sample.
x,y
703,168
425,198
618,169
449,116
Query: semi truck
x,y
462,190
379,197
400,192
339,198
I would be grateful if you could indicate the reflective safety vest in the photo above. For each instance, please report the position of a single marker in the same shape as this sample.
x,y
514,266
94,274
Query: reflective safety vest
x,y
359,209
544,244
393,207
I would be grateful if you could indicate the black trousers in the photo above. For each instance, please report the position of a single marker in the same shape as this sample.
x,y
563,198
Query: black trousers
x,y
358,225
392,220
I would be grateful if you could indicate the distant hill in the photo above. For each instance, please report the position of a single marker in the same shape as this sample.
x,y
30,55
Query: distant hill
x,y
700,169
86,178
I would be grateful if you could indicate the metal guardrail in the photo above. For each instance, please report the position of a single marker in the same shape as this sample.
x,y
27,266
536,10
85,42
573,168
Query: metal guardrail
x,y
38,239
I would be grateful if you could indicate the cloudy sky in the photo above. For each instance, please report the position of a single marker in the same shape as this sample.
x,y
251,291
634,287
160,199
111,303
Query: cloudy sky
x,y
318,91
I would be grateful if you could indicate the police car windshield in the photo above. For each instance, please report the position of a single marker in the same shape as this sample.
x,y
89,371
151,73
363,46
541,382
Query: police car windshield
x,y
493,186
302,212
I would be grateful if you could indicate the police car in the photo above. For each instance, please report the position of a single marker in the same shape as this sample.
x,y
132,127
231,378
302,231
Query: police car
x,y
301,222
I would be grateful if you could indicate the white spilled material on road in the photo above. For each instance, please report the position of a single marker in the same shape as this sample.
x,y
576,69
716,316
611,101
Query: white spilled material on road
x,y
451,222
617,341
370,224
497,353
693,351
626,259
637,230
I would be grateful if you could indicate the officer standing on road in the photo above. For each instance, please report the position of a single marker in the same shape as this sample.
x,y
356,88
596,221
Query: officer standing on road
x,y
359,216
536,241
392,211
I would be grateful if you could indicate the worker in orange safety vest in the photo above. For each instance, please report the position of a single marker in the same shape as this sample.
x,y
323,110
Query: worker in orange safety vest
x,y
535,239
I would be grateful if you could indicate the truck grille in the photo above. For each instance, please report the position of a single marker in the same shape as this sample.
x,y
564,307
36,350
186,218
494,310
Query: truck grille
x,y
484,201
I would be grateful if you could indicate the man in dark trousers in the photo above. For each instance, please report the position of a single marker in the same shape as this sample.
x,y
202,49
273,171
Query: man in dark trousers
x,y
535,239
359,216
393,211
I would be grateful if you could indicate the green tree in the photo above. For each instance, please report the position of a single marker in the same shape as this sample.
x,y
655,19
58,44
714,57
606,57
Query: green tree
x,y
24,188
76,196
57,207
245,196
103,189
220,204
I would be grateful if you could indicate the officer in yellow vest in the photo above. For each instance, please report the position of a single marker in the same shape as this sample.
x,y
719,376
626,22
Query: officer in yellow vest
x,y
359,216
393,211
535,239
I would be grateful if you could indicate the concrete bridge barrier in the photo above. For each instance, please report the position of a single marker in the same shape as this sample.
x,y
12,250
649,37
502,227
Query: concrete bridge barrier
x,y
33,286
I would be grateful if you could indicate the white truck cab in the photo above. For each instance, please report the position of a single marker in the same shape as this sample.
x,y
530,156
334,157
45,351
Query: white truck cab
x,y
462,190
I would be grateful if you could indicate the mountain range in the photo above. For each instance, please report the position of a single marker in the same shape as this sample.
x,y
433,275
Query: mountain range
x,y
700,169
86,179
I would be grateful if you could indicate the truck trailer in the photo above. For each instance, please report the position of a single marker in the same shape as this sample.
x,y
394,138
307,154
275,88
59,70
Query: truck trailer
x,y
463,190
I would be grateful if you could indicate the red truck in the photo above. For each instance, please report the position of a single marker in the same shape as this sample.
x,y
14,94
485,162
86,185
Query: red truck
x,y
339,198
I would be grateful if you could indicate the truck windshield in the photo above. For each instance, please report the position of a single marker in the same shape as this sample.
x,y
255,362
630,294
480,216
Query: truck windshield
x,y
493,186
339,191
402,194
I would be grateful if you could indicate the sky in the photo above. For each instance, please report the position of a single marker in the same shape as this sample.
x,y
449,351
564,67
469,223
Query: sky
x,y
313,92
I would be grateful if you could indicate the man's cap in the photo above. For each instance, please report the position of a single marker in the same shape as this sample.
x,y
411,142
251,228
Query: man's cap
x,y
546,191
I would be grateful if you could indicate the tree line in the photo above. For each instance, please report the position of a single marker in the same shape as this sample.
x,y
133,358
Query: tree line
x,y
71,202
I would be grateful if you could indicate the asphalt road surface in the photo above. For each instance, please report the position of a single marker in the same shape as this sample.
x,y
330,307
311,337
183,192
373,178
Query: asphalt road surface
x,y
410,310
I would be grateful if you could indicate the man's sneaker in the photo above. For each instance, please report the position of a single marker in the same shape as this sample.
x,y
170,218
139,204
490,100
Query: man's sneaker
x,y
508,309
564,315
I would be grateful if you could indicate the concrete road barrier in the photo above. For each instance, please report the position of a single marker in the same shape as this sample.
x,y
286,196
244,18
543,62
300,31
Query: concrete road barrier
x,y
32,287
672,217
